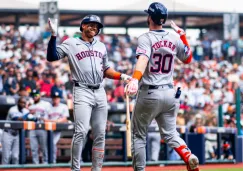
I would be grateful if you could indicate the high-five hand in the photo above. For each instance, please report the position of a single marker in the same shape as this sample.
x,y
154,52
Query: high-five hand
x,y
177,29
53,26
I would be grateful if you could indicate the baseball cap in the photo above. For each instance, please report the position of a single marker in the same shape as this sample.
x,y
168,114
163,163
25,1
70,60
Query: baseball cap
x,y
35,92
56,94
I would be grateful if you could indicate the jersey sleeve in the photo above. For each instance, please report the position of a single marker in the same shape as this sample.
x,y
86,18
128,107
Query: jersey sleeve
x,y
105,61
144,46
63,49
25,111
181,51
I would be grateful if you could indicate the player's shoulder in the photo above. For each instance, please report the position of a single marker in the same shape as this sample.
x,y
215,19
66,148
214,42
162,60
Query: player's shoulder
x,y
144,39
63,105
45,102
98,42
13,109
25,110
174,35
144,36
71,40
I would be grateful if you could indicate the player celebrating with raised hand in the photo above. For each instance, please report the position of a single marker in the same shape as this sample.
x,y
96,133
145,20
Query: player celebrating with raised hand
x,y
88,62
156,97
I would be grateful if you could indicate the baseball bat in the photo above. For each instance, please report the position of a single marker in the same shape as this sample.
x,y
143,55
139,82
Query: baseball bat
x,y
128,129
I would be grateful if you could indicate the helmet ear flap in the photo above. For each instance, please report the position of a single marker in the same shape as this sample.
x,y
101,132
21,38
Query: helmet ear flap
x,y
81,29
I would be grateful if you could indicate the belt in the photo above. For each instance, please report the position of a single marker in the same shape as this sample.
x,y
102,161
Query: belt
x,y
94,87
152,87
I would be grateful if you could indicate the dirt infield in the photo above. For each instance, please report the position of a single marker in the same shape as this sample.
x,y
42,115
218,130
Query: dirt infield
x,y
148,168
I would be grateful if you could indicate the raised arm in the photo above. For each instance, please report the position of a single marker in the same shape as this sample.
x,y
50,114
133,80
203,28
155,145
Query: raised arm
x,y
55,53
186,55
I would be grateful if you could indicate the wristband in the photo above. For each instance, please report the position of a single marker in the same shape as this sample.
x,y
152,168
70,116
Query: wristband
x,y
137,75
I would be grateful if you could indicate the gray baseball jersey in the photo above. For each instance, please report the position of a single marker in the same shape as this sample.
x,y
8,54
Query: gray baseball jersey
x,y
10,140
57,112
14,112
41,110
156,96
161,48
87,61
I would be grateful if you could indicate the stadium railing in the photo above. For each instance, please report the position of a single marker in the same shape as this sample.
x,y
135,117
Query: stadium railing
x,y
195,141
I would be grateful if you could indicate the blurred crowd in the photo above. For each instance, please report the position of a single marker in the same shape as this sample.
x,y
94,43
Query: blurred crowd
x,y
210,80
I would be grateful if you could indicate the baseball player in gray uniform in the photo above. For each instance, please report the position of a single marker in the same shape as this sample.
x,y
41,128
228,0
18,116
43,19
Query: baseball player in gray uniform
x,y
39,111
58,113
156,97
88,62
10,139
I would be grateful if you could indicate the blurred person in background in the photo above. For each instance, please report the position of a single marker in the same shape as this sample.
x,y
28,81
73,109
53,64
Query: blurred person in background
x,y
11,86
227,151
210,141
2,73
57,87
58,113
180,120
209,150
153,143
29,34
10,137
28,83
206,47
198,123
39,111
240,47
69,84
46,84
216,49
111,98
119,92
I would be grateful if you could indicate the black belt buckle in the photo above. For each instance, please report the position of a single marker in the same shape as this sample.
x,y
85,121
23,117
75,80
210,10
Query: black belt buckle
x,y
94,87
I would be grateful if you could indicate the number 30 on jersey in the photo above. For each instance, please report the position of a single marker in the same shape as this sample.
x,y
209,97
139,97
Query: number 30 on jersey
x,y
161,64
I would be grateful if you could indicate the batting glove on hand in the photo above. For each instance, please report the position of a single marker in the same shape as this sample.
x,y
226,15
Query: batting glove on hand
x,y
132,87
125,77
53,26
177,29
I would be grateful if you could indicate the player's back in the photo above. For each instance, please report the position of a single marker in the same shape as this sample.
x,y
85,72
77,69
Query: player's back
x,y
162,48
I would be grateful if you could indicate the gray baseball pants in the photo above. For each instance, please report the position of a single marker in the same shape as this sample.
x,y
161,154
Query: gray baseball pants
x,y
162,105
90,108
38,137
10,148
56,138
